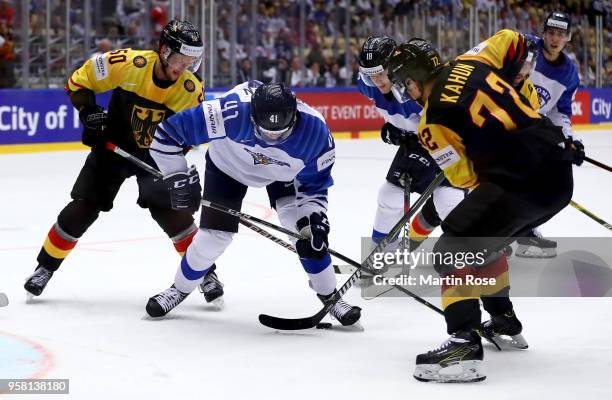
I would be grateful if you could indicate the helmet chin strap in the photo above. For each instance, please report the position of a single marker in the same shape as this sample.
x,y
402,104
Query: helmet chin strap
x,y
164,56
421,88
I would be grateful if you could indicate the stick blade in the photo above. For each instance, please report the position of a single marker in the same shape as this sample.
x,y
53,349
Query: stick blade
x,y
290,324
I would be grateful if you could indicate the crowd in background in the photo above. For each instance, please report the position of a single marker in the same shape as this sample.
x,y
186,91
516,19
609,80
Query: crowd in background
x,y
274,47
277,44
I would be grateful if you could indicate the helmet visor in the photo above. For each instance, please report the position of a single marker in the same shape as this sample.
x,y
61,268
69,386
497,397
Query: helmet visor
x,y
270,136
368,73
400,91
190,57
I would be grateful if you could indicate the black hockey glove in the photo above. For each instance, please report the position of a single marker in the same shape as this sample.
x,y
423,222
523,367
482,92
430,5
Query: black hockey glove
x,y
393,135
315,228
95,125
185,190
578,152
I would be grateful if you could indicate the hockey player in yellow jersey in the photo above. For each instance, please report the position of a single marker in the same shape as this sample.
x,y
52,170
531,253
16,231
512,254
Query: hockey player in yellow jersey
x,y
516,164
495,52
498,53
148,87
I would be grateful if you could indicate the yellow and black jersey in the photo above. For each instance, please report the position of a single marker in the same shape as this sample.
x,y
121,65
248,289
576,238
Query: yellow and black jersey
x,y
528,90
139,100
469,119
498,52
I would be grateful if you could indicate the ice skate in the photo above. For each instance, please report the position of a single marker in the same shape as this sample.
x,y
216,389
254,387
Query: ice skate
x,y
343,312
162,303
535,246
504,331
212,289
36,283
457,360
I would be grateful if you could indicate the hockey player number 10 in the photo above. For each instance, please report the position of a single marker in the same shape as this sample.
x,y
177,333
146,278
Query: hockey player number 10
x,y
483,100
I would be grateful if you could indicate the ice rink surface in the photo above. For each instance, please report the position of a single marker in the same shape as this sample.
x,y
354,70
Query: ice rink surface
x,y
89,326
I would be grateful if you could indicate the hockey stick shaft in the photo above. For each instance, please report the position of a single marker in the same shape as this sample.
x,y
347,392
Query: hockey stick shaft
x,y
598,163
590,215
354,265
245,220
407,184
137,161
311,322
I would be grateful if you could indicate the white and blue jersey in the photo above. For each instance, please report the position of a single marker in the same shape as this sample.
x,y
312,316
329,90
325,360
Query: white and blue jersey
x,y
307,155
556,85
405,116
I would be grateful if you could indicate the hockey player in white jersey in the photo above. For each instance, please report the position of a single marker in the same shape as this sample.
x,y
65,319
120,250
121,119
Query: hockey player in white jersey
x,y
556,81
401,123
258,135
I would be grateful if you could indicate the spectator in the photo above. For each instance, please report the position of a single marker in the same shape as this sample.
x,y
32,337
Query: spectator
x,y
296,78
283,75
314,77
104,46
7,76
332,77
244,73
6,14
159,18
315,55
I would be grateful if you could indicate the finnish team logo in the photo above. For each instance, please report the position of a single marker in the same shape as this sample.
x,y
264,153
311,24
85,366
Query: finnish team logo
x,y
144,122
262,159
543,95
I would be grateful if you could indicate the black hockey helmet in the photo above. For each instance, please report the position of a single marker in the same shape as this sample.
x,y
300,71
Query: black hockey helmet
x,y
559,20
415,60
517,55
273,112
375,54
184,38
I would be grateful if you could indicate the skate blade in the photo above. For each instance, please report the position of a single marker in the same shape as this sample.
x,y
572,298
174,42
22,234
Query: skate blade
x,y
458,372
217,304
525,251
506,342
364,282
4,301
356,327
30,298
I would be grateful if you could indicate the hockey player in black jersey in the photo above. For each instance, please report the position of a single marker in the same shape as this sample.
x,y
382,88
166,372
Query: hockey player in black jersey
x,y
516,164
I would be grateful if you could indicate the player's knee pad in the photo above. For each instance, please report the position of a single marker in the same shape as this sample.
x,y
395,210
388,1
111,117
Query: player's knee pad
x,y
173,222
77,216
390,197
287,213
390,208
206,247
445,199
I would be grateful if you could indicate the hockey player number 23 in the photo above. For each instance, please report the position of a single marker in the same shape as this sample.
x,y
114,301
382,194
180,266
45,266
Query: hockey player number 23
x,y
483,100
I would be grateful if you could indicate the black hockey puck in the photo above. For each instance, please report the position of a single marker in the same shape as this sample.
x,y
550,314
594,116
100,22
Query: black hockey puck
x,y
324,325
